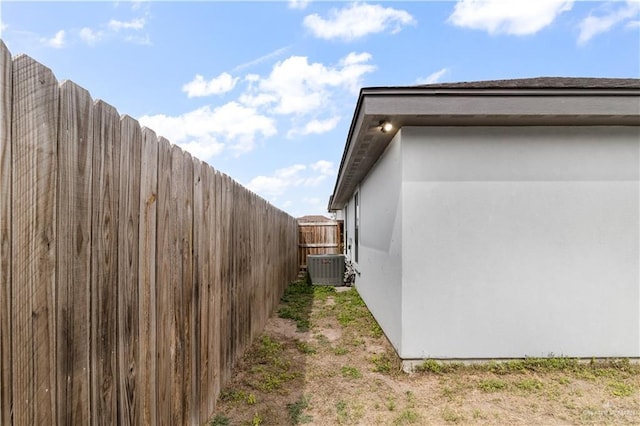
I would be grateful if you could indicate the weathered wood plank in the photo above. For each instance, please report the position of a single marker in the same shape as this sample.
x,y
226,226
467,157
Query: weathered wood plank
x,y
176,371
165,310
6,167
218,306
74,253
128,246
104,264
225,265
189,399
212,320
33,220
200,272
147,278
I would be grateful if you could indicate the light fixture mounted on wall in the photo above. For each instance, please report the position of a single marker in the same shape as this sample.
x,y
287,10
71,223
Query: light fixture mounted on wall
x,y
386,126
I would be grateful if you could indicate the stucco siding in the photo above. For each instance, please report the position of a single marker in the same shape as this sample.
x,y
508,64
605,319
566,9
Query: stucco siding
x,y
520,242
380,254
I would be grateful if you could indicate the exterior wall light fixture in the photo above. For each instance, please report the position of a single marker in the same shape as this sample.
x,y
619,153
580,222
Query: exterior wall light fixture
x,y
386,126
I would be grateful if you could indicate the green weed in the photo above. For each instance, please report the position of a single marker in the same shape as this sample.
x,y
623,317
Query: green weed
x,y
350,372
407,416
296,411
391,403
529,385
220,420
450,416
620,389
491,385
238,396
340,350
435,367
257,420
305,347
341,411
382,363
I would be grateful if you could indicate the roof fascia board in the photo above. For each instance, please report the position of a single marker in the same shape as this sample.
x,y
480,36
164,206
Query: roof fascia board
x,y
534,105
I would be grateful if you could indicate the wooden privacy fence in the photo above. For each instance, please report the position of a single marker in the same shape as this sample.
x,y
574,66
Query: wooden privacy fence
x,y
132,276
317,236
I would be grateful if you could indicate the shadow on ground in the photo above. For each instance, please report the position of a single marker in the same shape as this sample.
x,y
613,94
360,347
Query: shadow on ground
x,y
272,372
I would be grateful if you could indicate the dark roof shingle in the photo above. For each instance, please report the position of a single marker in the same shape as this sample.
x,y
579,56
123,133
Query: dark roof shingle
x,y
542,83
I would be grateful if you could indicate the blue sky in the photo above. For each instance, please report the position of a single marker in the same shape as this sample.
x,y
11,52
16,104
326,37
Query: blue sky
x,y
265,91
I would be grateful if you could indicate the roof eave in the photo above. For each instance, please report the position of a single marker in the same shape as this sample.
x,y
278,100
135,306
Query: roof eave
x,y
485,107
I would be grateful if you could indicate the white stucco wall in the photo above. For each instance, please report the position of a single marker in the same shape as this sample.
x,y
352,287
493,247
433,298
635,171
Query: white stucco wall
x,y
516,241
380,255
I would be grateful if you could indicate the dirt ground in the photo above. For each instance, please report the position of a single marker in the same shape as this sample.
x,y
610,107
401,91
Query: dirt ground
x,y
323,360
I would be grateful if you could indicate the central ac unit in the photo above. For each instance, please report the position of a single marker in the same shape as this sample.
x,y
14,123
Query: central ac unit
x,y
326,269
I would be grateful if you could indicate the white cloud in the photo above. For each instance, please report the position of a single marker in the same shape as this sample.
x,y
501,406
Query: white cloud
x,y
358,20
135,24
276,184
203,148
297,175
433,77
512,17
316,127
297,87
633,24
57,41
90,36
3,26
315,203
128,31
206,131
216,86
593,25
299,4
324,167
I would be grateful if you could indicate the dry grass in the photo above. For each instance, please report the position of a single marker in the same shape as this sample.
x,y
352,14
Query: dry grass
x,y
328,363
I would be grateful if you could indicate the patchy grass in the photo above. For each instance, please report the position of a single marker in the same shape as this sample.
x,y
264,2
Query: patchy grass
x,y
350,372
296,304
450,415
296,411
491,385
333,365
220,420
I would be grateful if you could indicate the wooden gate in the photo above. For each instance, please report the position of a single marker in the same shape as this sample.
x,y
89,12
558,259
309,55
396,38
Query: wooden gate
x,y
318,235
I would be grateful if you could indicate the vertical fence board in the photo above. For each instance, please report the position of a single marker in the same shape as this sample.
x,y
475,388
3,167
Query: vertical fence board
x,y
128,246
176,371
212,320
147,277
5,234
225,310
217,259
165,332
34,137
74,256
188,301
104,264
200,272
